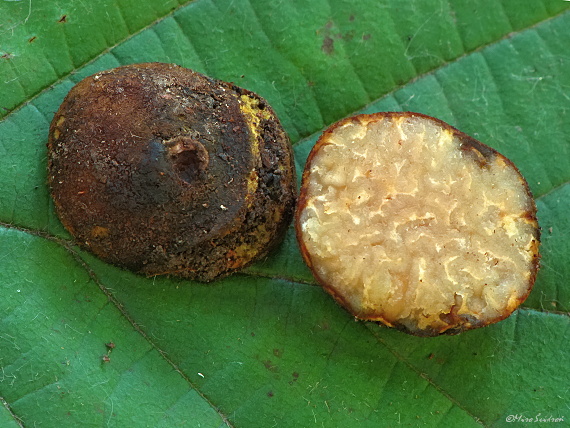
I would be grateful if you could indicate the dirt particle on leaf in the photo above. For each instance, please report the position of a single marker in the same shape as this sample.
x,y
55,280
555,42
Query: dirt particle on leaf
x,y
270,394
325,325
32,39
63,19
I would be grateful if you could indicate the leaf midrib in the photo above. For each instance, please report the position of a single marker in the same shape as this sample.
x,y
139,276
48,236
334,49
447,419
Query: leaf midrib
x,y
69,247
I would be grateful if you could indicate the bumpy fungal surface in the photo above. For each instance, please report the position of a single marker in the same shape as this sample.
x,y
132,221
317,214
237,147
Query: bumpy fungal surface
x,y
162,170
407,221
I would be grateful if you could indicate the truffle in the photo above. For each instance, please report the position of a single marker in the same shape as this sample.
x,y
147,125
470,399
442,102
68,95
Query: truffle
x,y
162,170
405,220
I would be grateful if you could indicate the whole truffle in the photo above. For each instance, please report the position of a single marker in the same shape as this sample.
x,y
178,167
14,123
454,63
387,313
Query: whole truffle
x,y
162,170
410,222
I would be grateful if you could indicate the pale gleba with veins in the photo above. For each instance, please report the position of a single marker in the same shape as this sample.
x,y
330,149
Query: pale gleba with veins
x,y
410,222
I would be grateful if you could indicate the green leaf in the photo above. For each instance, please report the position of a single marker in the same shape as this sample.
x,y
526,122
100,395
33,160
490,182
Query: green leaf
x,y
266,347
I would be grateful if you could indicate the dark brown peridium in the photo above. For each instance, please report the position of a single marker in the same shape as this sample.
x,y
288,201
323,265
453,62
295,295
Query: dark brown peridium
x,y
162,170
407,221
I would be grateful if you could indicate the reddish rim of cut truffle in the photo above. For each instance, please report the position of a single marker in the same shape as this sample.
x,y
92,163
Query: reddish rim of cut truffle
x,y
453,320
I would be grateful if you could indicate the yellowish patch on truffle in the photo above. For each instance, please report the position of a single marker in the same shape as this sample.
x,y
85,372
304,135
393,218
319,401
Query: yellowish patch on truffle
x,y
99,232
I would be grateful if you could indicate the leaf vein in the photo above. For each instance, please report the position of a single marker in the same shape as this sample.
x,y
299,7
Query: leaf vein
x,y
16,418
423,375
105,51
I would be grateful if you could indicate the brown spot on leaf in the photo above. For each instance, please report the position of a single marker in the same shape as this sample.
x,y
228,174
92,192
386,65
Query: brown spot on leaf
x,y
328,45
63,19
269,366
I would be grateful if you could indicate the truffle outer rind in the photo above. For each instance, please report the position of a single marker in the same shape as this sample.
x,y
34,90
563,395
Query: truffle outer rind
x,y
162,170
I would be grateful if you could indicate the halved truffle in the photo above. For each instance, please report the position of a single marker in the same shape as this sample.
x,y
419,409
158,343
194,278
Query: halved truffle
x,y
410,222
162,170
